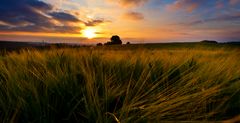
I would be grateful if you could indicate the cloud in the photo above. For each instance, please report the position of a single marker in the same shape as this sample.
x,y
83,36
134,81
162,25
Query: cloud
x,y
16,12
220,5
130,3
186,5
95,22
38,16
226,17
234,2
62,16
49,29
133,16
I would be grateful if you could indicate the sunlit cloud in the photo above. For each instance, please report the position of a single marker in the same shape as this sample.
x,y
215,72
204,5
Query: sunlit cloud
x,y
136,16
130,3
234,2
186,5
95,22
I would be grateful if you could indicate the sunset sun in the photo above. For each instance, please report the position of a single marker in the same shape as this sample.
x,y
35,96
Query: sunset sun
x,y
89,33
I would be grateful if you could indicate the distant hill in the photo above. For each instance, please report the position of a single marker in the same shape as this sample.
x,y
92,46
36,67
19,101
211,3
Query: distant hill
x,y
13,45
235,42
209,41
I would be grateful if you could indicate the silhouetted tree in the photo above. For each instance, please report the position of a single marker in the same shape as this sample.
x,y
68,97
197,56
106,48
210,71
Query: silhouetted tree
x,y
99,44
116,40
128,43
108,43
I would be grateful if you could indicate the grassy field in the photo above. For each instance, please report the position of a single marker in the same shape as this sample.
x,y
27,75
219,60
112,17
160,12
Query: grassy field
x,y
120,84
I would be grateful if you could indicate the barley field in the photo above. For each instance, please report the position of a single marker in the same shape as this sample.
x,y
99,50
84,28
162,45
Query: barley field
x,y
116,84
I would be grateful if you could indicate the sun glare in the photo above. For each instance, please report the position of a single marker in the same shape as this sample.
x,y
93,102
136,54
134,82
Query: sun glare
x,y
89,33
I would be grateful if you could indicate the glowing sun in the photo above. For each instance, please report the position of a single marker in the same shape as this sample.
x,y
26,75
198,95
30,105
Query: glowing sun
x,y
89,33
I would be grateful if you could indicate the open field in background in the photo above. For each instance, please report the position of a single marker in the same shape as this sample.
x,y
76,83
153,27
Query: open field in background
x,y
140,83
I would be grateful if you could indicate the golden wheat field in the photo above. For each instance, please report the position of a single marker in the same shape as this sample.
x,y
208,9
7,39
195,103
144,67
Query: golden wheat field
x,y
106,85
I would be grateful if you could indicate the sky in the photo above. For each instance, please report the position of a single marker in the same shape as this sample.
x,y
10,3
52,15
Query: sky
x,y
137,21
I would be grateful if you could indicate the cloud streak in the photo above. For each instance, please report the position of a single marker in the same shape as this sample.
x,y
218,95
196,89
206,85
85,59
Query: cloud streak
x,y
96,22
62,16
136,16
226,17
234,2
186,5
130,3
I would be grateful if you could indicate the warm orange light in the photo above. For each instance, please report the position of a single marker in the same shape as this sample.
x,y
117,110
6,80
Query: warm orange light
x,y
89,33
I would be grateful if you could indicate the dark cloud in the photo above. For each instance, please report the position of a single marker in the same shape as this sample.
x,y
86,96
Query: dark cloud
x,y
17,12
95,22
37,16
49,29
65,29
227,17
133,16
62,16
39,5
32,16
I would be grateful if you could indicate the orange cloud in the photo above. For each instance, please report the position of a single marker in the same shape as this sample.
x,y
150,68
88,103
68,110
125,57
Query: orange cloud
x,y
96,22
187,5
133,16
234,2
130,3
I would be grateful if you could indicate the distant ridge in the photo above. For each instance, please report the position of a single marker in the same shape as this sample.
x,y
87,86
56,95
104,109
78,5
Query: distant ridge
x,y
209,41
12,45
15,45
233,42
